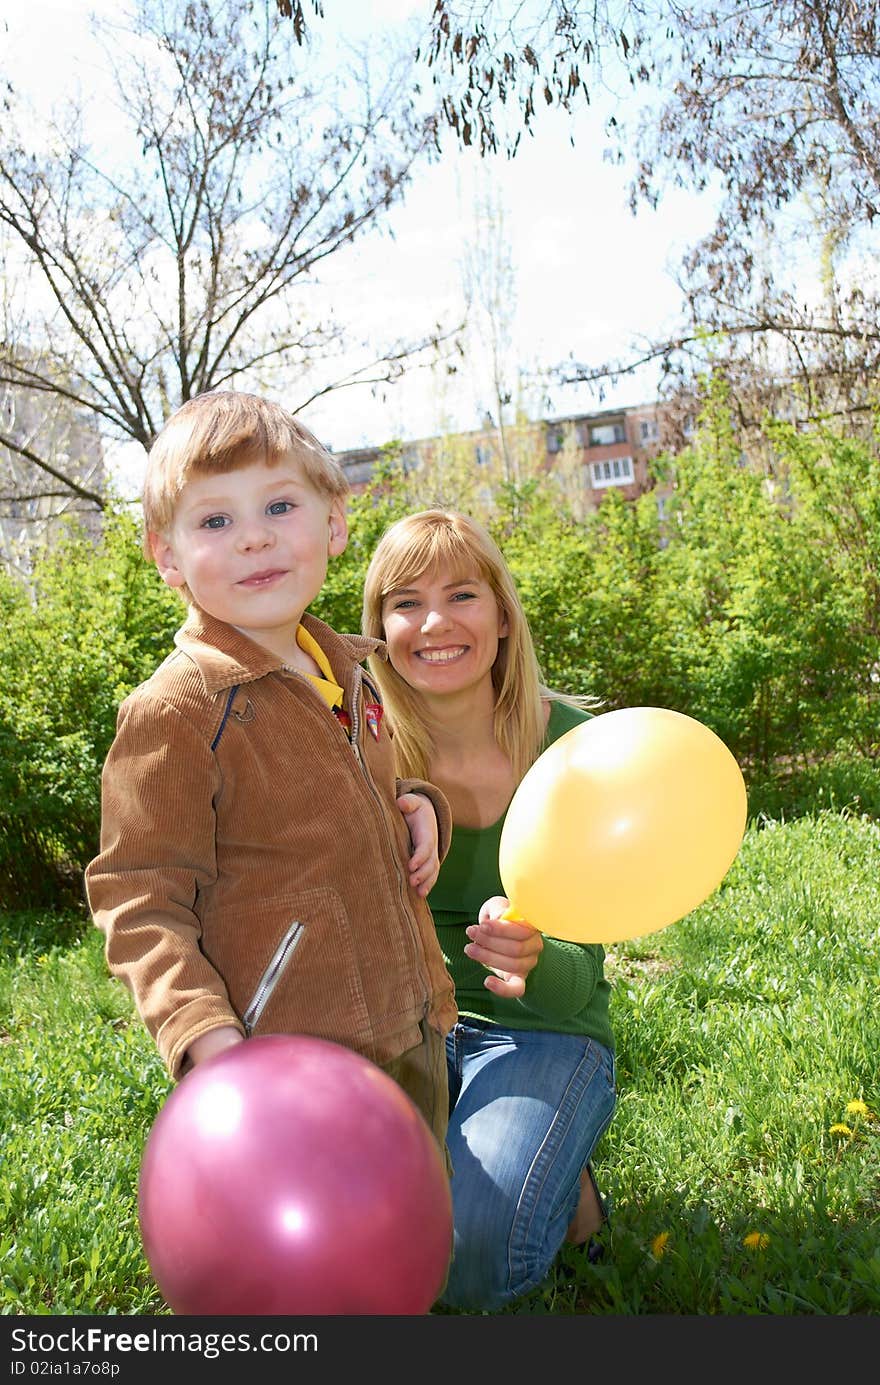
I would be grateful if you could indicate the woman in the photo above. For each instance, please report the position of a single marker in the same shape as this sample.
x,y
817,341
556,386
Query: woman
x,y
531,1061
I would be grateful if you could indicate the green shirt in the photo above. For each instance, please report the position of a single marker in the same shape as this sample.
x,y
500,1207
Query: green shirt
x,y
566,991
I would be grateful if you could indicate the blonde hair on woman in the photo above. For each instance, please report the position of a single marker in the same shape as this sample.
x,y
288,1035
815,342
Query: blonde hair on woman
x,y
425,542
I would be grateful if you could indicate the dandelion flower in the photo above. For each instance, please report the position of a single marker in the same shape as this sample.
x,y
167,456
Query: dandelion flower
x,y
756,1240
839,1129
856,1108
658,1245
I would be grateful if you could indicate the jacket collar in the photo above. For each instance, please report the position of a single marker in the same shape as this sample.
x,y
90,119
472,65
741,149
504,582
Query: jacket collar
x,y
225,657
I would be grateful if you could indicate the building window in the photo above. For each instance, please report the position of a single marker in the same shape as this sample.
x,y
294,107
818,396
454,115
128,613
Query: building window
x,y
617,471
555,439
649,430
358,472
603,434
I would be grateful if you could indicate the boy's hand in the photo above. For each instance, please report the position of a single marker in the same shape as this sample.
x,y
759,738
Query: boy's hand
x,y
215,1041
424,863
510,950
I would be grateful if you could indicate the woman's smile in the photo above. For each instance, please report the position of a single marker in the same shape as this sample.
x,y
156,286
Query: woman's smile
x,y
441,656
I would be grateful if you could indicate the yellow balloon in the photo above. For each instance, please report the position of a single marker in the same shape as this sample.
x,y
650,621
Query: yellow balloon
x,y
622,826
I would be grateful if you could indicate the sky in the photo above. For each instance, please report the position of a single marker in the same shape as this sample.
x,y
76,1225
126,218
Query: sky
x,y
591,279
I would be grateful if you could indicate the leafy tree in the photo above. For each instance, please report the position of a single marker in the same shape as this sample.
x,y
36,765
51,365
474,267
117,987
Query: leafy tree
x,y
493,66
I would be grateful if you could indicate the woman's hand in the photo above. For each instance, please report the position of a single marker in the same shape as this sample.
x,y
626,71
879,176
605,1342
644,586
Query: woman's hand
x,y
510,950
421,819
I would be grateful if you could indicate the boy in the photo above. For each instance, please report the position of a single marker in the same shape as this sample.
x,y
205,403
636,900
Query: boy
x,y
256,872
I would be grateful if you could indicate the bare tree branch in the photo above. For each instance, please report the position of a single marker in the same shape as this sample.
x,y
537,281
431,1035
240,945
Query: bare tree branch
x,y
775,109
72,485
190,264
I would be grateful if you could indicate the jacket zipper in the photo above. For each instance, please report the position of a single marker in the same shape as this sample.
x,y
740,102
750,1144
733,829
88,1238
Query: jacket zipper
x,y
355,728
272,975
355,719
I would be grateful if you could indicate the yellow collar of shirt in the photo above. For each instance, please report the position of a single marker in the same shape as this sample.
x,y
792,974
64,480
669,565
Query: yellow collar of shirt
x,y
325,682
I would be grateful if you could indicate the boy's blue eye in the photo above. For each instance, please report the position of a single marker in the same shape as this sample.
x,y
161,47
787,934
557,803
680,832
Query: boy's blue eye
x,y
279,507
214,522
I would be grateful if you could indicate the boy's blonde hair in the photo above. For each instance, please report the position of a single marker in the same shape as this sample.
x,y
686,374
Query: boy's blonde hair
x,y
219,432
421,543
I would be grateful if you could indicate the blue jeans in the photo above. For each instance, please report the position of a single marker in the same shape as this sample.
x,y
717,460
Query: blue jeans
x,y
527,1108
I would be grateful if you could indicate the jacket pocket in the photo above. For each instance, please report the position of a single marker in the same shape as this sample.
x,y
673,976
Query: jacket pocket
x,y
271,976
315,980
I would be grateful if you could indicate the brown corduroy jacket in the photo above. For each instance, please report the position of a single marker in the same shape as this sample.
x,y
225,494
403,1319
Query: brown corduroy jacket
x,y
252,869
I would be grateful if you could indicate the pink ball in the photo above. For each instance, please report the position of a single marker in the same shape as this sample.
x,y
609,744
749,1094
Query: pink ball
x,y
289,1175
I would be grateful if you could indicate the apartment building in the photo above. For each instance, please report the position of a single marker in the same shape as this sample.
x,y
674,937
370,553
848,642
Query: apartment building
x,y
612,448
31,499
596,451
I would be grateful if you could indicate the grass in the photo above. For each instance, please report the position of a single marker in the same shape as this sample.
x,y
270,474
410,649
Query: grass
x,y
745,1038
743,1163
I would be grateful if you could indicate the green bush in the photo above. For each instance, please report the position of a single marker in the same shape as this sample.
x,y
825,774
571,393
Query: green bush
x,y
767,591
96,623
753,606
369,515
